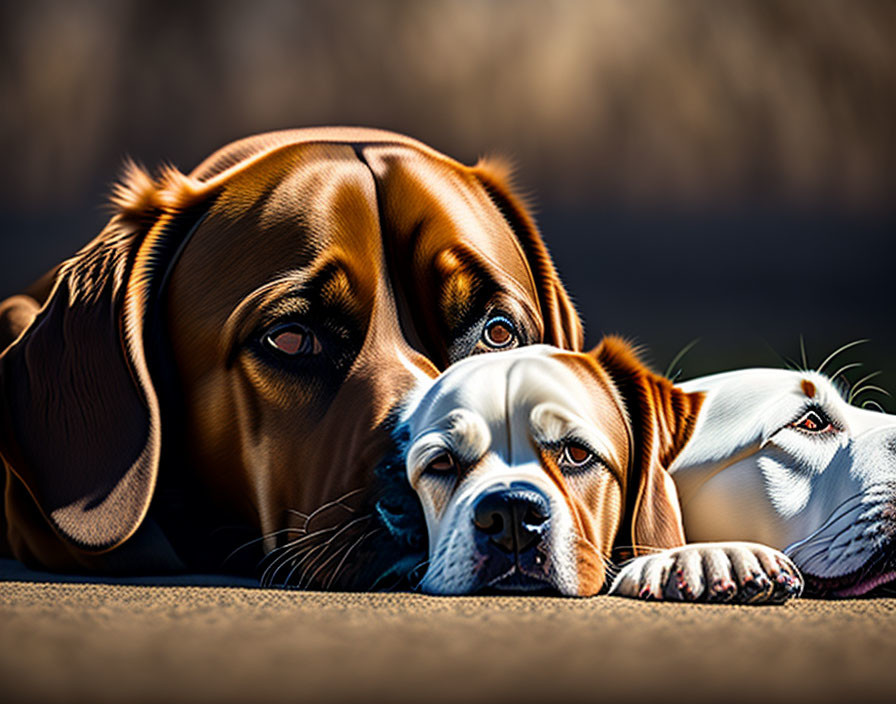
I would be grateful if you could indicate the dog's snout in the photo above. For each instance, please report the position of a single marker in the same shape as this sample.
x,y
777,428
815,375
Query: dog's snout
x,y
513,518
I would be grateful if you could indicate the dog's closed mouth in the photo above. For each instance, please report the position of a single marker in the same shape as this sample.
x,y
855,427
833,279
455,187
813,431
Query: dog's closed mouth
x,y
515,581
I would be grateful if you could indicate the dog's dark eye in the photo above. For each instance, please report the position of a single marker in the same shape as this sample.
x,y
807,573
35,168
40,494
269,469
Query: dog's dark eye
x,y
814,421
442,466
499,332
575,456
293,340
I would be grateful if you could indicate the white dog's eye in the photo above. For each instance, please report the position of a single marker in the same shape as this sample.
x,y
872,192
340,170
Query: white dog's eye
x,y
814,421
574,456
442,466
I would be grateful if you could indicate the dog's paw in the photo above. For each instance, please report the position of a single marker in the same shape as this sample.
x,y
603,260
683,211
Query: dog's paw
x,y
738,573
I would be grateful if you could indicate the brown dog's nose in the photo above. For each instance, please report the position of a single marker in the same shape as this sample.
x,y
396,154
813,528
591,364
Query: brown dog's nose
x,y
513,518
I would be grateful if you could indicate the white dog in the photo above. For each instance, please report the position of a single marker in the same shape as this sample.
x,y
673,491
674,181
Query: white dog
x,y
532,464
779,457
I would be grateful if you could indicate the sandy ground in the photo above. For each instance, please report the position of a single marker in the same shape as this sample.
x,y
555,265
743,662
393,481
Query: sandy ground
x,y
80,642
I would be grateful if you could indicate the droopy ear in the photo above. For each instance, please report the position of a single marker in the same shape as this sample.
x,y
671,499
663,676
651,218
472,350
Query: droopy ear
x,y
79,417
563,328
662,418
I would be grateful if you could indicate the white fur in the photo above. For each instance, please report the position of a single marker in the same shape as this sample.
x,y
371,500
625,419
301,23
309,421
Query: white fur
x,y
488,411
748,474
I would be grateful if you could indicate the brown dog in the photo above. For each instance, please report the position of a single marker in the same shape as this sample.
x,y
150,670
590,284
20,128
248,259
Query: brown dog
x,y
225,357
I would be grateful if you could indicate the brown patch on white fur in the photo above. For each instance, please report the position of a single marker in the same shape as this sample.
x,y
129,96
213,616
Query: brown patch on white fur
x,y
808,388
662,419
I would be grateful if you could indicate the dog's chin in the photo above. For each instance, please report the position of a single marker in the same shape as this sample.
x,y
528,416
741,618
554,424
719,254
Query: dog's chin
x,y
516,581
876,578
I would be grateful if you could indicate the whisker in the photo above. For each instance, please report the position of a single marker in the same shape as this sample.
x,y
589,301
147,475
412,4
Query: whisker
x,y
843,369
342,562
335,502
419,566
836,352
790,364
298,541
325,562
329,542
642,548
269,575
679,356
869,387
276,554
254,541
803,353
872,402
292,559
868,377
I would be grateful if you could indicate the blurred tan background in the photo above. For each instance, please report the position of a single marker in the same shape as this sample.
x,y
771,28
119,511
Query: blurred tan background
x,y
722,170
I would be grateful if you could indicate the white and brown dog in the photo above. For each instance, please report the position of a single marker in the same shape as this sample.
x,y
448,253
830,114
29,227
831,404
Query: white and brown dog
x,y
533,465
780,457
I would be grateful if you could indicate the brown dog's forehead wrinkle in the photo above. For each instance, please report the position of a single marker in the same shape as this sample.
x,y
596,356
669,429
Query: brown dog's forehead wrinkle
x,y
429,206
451,205
278,216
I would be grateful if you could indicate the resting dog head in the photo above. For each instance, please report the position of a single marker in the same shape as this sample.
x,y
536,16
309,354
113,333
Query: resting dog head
x,y
779,457
532,464
250,327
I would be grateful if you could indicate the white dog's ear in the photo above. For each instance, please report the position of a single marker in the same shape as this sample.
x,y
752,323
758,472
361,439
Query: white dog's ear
x,y
661,420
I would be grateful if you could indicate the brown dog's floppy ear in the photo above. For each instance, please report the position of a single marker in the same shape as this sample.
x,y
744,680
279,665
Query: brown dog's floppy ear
x,y
662,419
562,326
80,418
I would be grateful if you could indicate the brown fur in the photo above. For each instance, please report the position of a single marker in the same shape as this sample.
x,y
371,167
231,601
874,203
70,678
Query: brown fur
x,y
132,383
662,420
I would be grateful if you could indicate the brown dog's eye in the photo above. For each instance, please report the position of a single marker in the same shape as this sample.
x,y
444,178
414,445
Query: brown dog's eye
x,y
442,466
499,332
814,421
293,339
575,456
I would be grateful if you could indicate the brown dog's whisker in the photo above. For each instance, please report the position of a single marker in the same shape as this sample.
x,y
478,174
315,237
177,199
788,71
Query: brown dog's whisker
x,y
301,514
323,547
343,561
329,559
255,541
287,559
305,537
337,502
310,550
288,550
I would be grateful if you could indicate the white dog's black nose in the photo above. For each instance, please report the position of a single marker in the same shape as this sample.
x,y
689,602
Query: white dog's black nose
x,y
513,518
